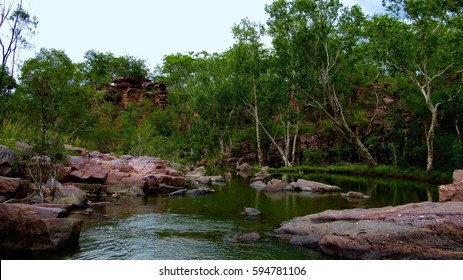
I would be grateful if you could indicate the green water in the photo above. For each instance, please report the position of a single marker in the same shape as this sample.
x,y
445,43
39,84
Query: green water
x,y
204,227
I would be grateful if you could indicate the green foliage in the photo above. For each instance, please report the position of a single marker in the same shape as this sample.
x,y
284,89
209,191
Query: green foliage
x,y
100,69
338,74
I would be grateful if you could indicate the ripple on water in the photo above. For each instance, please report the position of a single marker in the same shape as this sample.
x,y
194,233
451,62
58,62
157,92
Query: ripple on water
x,y
173,236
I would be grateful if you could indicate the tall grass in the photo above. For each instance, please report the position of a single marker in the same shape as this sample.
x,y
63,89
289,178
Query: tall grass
x,y
11,131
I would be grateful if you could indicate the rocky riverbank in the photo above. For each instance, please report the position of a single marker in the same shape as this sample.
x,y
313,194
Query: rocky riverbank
x,y
35,218
428,230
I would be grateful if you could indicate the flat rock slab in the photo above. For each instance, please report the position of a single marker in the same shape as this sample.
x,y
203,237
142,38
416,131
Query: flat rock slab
x,y
35,228
414,231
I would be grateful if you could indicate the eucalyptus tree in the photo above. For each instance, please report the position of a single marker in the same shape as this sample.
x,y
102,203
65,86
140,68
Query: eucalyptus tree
x,y
17,26
313,39
421,39
213,98
249,69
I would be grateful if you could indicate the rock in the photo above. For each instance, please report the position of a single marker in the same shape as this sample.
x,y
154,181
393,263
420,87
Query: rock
x,y
262,175
126,168
311,186
196,173
34,228
12,188
248,237
355,195
217,179
200,191
178,166
151,186
414,231
9,164
135,191
251,212
245,167
126,157
276,185
77,151
178,193
458,176
451,192
84,170
258,185
203,180
70,194
124,179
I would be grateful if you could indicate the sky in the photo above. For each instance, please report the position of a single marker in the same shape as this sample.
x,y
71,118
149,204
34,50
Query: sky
x,y
146,29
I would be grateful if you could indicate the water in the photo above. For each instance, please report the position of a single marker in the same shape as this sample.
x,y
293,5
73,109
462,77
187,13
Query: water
x,y
204,227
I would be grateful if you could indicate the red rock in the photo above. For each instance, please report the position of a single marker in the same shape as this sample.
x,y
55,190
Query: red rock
x,y
87,171
126,168
451,192
71,195
36,228
12,187
458,176
276,185
413,231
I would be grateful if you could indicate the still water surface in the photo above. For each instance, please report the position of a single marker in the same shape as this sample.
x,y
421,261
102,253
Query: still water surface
x,y
204,227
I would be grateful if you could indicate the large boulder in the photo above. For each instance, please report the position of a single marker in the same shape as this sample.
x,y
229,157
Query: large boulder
x,y
34,228
414,231
452,192
12,188
9,164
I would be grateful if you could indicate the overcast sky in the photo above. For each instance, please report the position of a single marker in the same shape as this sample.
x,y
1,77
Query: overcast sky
x,y
146,29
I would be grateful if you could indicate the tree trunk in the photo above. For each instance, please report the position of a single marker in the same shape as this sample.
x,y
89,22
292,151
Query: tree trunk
x,y
260,155
430,136
341,123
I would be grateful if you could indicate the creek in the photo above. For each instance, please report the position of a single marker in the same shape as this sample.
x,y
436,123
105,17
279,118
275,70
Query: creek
x,y
204,227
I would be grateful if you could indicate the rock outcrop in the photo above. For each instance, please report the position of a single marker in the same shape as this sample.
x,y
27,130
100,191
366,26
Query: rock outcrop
x,y
414,231
125,89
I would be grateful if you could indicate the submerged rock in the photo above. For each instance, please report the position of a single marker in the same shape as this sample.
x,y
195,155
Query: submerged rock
x,y
355,195
197,191
200,191
414,231
248,237
251,212
178,193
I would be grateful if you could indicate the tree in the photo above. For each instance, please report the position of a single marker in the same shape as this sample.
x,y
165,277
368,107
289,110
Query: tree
x,y
314,38
51,94
16,27
213,97
249,67
422,46
101,68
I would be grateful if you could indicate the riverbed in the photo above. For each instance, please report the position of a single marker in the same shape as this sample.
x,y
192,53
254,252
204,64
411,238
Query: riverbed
x,y
204,227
